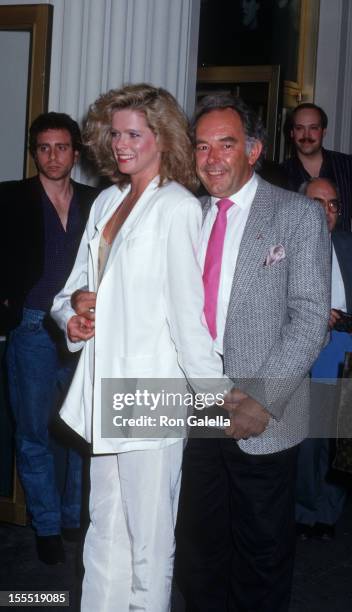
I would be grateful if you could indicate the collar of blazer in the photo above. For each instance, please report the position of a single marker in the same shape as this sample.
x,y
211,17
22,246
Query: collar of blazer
x,y
113,200
256,240
108,206
342,242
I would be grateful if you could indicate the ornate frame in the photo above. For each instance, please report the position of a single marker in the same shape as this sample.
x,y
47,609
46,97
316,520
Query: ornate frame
x,y
36,19
302,89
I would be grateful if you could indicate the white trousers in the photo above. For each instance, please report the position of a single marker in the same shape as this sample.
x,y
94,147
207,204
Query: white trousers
x,y
129,548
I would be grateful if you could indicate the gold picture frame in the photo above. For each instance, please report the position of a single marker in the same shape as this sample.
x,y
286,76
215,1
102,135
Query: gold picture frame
x,y
301,89
280,32
259,86
37,20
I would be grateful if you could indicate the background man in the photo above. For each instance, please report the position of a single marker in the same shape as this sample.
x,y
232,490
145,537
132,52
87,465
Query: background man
x,y
320,497
307,128
271,274
43,219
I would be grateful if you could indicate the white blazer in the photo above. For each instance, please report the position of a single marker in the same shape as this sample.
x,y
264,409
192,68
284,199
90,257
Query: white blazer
x,y
149,309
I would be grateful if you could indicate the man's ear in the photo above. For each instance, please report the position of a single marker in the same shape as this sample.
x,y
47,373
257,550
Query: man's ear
x,y
76,157
255,152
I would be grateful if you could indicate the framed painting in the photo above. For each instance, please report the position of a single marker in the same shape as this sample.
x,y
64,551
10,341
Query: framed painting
x,y
263,32
25,37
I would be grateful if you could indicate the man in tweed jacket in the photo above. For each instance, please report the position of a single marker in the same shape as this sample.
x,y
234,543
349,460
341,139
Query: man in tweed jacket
x,y
236,529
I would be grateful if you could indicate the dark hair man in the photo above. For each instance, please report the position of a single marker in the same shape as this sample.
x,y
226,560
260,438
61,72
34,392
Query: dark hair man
x,y
269,318
307,128
43,220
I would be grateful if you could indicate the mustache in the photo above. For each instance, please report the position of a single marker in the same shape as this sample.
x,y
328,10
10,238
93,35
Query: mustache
x,y
308,140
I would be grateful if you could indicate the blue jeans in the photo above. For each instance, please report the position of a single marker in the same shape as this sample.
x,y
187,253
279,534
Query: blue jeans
x,y
38,375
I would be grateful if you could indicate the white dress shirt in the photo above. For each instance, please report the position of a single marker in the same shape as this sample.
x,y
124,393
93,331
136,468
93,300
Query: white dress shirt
x,y
237,216
338,294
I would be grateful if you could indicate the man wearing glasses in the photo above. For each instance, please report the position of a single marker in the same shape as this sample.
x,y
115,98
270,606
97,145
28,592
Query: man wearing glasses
x,y
320,497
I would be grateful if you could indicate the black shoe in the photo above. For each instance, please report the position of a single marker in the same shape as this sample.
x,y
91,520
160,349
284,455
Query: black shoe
x,y
304,532
322,531
71,534
50,549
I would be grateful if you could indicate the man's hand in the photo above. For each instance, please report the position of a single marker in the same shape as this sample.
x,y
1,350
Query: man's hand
x,y
334,317
83,303
248,417
80,328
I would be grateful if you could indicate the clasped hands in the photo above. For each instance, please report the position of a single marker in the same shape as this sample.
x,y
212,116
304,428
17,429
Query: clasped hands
x,y
248,417
82,325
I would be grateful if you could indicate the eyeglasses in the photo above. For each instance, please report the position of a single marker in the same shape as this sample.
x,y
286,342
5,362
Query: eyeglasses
x,y
332,205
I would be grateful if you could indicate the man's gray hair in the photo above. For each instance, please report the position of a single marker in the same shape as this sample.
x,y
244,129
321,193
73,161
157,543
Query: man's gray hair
x,y
303,188
251,122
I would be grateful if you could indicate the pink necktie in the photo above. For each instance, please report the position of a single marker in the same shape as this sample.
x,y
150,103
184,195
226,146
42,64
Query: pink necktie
x,y
212,264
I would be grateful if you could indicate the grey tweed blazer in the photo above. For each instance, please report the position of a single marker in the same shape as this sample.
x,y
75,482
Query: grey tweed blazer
x,y
278,314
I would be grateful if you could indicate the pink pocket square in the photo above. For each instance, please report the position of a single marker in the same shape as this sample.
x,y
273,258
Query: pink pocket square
x,y
275,254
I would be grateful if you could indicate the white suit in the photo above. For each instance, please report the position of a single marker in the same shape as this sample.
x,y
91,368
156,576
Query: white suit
x,y
149,324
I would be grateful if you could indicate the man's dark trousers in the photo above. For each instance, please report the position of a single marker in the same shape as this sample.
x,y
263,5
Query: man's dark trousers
x,y
233,505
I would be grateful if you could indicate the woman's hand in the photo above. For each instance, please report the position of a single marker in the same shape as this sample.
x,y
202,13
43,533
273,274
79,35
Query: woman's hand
x,y
80,328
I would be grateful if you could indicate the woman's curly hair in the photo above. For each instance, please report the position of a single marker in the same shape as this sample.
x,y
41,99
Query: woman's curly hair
x,y
165,119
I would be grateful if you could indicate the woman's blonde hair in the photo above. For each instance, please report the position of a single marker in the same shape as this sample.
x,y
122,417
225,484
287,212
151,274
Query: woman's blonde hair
x,y
163,116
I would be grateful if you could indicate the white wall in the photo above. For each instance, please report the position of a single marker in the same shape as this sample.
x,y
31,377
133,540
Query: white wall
x,y
13,79
333,89
101,44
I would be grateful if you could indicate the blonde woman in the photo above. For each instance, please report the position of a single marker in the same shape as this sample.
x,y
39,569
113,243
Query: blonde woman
x,y
140,318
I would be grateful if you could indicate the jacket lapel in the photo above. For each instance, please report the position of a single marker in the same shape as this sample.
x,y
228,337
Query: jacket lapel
x,y
206,204
256,241
342,242
131,222
111,204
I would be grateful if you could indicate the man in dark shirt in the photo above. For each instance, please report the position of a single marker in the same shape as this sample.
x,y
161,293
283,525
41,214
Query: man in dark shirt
x,y
307,128
43,221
